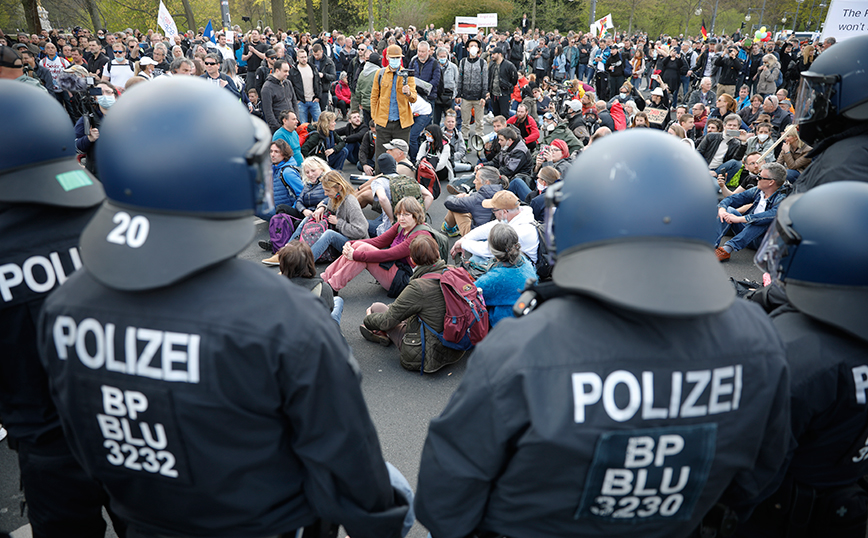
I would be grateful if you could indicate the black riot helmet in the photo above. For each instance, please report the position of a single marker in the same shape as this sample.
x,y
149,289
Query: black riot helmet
x,y
184,167
628,235
817,248
832,94
37,152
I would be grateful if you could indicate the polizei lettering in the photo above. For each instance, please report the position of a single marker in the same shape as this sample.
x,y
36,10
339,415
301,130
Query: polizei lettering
x,y
163,355
695,393
39,273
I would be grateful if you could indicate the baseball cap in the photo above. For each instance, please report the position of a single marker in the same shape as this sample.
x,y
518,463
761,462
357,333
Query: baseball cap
x,y
271,53
501,200
147,60
398,144
575,105
9,57
394,51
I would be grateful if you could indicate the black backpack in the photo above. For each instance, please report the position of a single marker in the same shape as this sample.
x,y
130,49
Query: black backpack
x,y
543,265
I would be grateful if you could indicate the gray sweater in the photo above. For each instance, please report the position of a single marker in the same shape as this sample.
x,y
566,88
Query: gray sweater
x,y
352,223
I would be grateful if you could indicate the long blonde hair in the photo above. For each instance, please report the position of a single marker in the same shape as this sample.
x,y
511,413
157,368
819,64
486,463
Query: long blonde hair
x,y
324,123
334,180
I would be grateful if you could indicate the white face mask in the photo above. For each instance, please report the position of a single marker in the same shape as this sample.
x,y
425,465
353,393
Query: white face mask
x,y
762,137
550,127
473,51
394,63
623,95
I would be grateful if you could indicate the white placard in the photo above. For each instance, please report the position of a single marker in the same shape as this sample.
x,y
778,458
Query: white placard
x,y
466,25
486,20
846,18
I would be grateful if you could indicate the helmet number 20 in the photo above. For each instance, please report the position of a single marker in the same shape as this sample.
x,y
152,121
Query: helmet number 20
x,y
132,231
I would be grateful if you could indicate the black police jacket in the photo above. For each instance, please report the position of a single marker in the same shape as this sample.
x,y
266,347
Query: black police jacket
x,y
627,425
38,252
829,394
204,413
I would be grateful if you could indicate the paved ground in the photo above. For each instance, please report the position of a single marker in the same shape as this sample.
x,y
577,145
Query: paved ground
x,y
401,402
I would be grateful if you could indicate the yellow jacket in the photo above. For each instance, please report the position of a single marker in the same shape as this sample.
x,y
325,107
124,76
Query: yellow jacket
x,y
380,100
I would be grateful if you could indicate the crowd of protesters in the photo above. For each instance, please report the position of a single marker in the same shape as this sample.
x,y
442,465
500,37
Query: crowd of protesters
x,y
547,95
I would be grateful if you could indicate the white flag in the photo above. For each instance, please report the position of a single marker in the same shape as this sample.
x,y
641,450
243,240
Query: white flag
x,y
599,27
166,22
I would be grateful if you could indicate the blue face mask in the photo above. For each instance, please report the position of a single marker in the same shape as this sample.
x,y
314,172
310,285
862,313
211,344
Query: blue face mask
x,y
106,101
394,63
442,60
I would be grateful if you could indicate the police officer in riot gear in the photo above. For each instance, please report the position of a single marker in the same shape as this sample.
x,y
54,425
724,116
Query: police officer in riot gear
x,y
203,413
657,394
46,199
824,264
832,114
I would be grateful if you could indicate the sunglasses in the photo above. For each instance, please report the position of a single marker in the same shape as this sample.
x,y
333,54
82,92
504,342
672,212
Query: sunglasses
x,y
210,63
119,52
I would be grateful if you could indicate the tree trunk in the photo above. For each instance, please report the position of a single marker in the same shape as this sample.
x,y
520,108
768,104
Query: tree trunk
x,y
93,11
371,16
278,13
188,13
533,15
31,15
310,21
325,15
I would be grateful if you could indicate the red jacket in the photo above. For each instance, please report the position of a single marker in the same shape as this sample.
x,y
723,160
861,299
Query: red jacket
x,y
529,130
343,92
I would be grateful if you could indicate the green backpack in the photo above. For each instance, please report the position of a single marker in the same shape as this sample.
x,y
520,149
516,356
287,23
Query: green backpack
x,y
403,186
440,237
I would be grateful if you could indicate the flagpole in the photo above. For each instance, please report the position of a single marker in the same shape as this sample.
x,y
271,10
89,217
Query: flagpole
x,y
714,16
593,12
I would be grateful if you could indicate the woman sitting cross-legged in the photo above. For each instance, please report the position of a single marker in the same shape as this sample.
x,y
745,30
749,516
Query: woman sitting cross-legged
x,y
503,283
387,256
421,299
342,212
296,264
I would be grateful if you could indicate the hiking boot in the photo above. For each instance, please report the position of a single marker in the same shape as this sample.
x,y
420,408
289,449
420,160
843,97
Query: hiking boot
x,y
432,365
458,188
377,337
450,231
266,245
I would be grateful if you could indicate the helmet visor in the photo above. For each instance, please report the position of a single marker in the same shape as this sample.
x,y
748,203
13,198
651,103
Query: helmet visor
x,y
779,244
553,198
260,167
815,93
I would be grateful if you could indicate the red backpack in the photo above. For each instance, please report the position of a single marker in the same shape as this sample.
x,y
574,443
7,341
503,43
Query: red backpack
x,y
302,133
466,321
427,177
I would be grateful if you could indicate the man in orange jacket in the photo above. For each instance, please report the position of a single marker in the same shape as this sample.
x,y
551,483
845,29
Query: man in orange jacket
x,y
390,107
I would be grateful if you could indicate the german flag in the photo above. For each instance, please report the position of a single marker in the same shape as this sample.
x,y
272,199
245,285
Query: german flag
x,y
466,25
704,31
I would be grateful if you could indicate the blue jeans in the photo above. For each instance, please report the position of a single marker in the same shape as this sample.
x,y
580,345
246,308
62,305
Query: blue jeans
x,y
793,175
338,310
337,159
308,112
328,239
519,188
746,234
419,124
685,87
583,71
353,152
360,165
297,233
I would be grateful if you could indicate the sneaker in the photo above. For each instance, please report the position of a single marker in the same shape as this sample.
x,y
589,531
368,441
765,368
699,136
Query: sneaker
x,y
450,231
377,337
2,433
265,245
458,188
722,255
271,261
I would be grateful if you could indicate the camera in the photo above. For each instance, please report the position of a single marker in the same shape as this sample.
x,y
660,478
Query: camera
x,y
405,73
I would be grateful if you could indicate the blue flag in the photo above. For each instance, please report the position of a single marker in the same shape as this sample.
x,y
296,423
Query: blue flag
x,y
209,32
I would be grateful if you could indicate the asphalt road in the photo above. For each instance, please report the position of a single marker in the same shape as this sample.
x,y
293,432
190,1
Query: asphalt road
x,y
401,402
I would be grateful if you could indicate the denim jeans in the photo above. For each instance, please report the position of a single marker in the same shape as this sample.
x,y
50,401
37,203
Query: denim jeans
x,y
353,152
337,159
519,188
583,71
308,112
338,310
685,87
746,234
329,238
419,124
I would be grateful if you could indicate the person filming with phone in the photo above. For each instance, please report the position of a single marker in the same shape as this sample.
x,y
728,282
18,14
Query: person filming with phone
x,y
87,126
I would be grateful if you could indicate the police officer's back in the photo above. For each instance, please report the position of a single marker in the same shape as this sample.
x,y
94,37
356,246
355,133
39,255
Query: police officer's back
x,y
631,405
46,199
816,247
203,410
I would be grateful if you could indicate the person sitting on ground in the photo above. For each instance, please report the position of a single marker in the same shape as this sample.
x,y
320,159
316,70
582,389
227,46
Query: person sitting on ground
x,y
390,186
491,149
455,139
325,143
343,95
748,175
398,149
505,208
526,126
750,228
658,107
720,148
640,120
312,168
704,94
286,180
465,210
505,280
547,176
422,299
367,149
556,155
794,153
438,153
551,129
514,155
750,112
762,141
342,212
386,256
677,131
353,133
296,264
